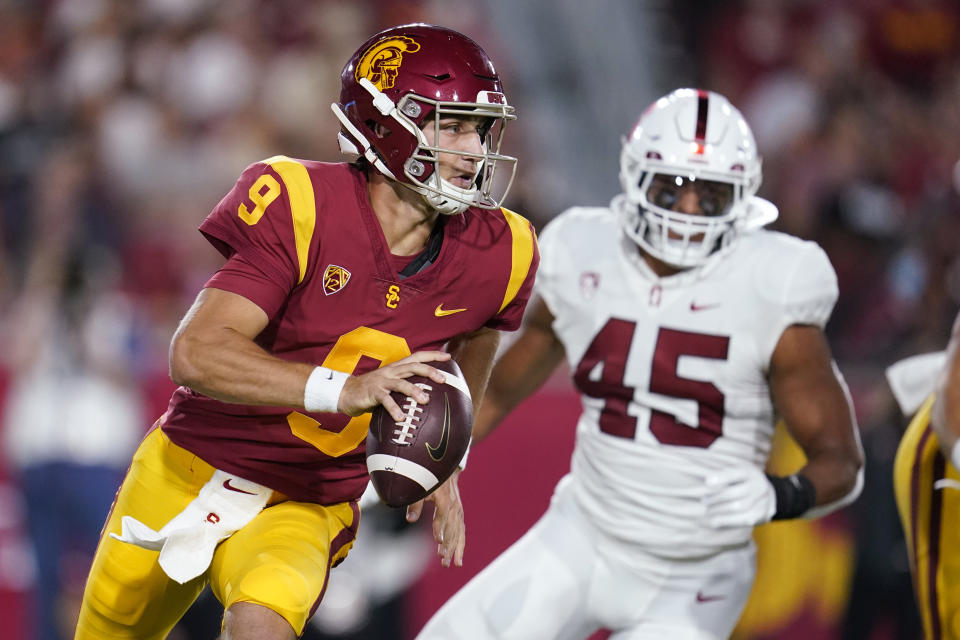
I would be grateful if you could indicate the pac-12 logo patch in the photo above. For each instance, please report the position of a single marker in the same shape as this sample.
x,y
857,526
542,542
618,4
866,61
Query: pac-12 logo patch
x,y
335,278
379,64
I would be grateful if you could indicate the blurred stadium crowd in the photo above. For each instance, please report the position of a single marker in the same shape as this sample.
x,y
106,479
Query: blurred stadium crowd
x,y
123,122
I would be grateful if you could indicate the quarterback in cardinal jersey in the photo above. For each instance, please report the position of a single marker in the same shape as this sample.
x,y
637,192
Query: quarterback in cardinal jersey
x,y
322,271
689,331
341,282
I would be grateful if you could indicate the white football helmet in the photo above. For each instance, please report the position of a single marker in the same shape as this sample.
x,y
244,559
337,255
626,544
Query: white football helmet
x,y
696,138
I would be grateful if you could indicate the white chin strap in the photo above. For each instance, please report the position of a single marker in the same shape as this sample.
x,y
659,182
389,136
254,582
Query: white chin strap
x,y
437,196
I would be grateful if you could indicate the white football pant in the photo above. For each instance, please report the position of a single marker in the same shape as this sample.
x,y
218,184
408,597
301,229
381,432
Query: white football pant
x,y
563,580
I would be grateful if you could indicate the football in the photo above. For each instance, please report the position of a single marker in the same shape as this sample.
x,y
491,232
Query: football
x,y
407,460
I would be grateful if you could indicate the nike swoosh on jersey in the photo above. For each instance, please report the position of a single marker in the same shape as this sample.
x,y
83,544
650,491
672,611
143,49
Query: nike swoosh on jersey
x,y
437,453
440,311
703,307
703,598
227,485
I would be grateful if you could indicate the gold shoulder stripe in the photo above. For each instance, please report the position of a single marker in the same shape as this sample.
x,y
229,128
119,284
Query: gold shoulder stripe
x,y
303,204
522,254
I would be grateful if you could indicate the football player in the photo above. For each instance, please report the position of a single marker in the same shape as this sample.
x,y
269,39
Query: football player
x,y
689,330
926,480
341,281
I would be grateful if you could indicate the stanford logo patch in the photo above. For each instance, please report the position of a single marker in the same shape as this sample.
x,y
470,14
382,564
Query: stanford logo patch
x,y
334,278
589,283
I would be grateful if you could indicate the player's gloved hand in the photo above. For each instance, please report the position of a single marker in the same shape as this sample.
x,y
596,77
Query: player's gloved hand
x,y
449,528
739,497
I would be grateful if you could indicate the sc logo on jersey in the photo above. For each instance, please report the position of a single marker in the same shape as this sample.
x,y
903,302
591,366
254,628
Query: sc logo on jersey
x,y
380,63
393,296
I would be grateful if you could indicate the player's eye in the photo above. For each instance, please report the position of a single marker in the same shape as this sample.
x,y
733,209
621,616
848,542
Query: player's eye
x,y
715,198
664,191
665,197
710,205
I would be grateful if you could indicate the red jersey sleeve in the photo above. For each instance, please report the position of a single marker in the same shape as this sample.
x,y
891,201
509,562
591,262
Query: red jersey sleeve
x,y
525,258
244,278
267,219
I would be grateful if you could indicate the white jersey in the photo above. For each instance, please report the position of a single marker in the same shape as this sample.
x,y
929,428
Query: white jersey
x,y
672,371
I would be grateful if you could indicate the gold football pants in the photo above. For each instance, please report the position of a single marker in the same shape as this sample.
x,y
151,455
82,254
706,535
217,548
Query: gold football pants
x,y
280,560
931,523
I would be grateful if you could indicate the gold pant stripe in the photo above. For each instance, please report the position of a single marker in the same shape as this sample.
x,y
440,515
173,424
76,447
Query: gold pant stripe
x,y
339,549
928,516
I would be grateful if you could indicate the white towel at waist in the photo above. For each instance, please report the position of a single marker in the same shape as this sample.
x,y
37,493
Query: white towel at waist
x,y
187,542
913,379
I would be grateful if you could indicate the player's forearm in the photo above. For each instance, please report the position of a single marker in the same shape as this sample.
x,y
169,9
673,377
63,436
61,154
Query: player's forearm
x,y
522,370
833,474
228,366
474,354
498,402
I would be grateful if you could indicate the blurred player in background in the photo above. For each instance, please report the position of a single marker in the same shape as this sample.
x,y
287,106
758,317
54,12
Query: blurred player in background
x,y
927,481
689,331
250,479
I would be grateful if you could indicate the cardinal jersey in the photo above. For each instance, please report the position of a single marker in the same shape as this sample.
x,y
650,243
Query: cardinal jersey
x,y
303,243
672,371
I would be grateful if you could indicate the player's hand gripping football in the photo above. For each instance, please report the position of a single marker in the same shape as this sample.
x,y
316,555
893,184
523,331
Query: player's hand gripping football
x,y
449,529
362,393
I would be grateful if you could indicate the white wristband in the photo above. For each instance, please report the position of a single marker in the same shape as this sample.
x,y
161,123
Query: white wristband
x,y
322,392
955,455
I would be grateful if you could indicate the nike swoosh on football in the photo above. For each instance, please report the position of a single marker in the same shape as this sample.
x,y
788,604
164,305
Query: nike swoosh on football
x,y
703,307
440,311
227,485
703,598
437,453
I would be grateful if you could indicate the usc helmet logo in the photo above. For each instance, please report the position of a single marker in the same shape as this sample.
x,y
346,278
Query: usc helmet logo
x,y
379,64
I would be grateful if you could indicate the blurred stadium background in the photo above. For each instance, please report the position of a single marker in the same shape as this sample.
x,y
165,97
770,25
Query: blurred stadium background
x,y
122,122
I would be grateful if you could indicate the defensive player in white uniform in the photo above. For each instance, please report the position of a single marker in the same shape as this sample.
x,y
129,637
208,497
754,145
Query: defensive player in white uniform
x,y
689,330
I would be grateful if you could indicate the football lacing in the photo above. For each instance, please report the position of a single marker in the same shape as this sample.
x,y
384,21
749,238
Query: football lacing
x,y
407,427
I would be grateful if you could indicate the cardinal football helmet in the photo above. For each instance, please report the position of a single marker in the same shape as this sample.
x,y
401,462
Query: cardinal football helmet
x,y
697,138
408,77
